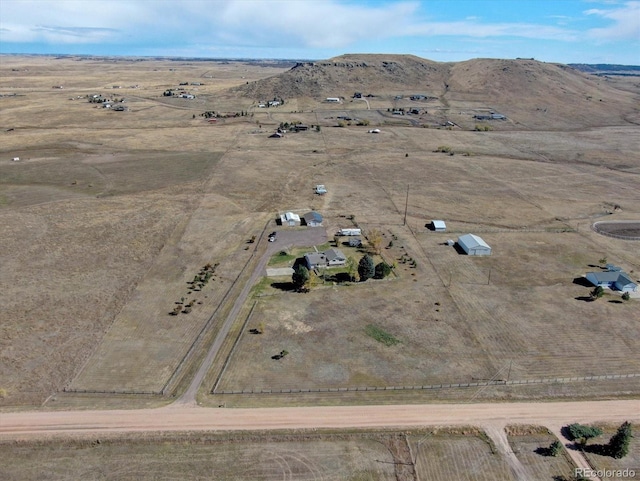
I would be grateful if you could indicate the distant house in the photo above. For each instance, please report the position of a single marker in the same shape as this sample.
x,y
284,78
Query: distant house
x,y
312,219
290,219
474,245
276,135
374,131
299,128
273,103
438,225
333,99
613,278
357,95
329,258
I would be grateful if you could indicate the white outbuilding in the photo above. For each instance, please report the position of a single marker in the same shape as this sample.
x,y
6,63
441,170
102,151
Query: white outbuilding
x,y
474,245
290,219
438,225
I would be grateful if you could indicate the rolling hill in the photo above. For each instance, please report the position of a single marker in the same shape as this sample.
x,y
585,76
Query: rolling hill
x,y
534,94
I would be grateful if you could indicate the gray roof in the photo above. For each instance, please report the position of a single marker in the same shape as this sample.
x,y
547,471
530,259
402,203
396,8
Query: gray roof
x,y
312,217
473,241
315,258
333,254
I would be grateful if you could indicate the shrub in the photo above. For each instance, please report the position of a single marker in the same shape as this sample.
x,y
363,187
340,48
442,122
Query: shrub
x,y
582,433
626,296
382,270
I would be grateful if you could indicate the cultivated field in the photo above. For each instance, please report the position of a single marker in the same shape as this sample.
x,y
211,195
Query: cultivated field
x,y
109,214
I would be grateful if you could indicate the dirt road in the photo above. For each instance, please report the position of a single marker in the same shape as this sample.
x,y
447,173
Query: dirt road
x,y
191,418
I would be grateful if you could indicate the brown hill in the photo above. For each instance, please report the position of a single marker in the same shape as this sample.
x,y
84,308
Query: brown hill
x,y
532,94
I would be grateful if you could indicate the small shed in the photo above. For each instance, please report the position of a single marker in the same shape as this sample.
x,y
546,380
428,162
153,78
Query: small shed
x,y
438,225
474,245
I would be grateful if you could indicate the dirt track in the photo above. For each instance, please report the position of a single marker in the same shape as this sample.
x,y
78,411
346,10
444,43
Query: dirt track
x,y
187,418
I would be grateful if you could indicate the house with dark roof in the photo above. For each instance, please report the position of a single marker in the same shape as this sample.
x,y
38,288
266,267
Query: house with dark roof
x,y
329,258
312,219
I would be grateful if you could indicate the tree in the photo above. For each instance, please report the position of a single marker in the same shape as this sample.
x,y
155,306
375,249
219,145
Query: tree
x,y
556,448
374,236
619,443
352,268
597,293
382,270
366,268
626,296
582,433
300,277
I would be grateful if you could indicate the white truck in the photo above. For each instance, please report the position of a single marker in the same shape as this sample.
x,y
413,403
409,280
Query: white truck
x,y
347,232
321,189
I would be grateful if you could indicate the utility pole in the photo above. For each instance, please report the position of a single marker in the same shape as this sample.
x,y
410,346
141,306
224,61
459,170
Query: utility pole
x,y
509,372
406,206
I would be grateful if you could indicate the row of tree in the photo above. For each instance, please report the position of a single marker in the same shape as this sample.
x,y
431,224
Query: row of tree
x,y
618,446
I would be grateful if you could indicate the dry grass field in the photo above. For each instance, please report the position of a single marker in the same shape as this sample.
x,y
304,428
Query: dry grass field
x,y
443,457
529,449
200,457
108,214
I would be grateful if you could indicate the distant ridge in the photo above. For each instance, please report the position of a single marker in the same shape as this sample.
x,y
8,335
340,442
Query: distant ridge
x,y
536,94
607,69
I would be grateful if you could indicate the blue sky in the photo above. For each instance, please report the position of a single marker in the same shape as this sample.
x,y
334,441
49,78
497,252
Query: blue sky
x,y
567,31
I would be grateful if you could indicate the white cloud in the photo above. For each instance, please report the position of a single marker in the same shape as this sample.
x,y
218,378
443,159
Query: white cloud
x,y
625,22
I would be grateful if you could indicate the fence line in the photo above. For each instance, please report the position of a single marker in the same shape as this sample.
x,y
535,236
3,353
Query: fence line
x,y
594,227
432,386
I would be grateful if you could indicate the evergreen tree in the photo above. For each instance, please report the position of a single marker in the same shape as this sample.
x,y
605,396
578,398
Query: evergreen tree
x,y
366,268
300,276
382,270
619,443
